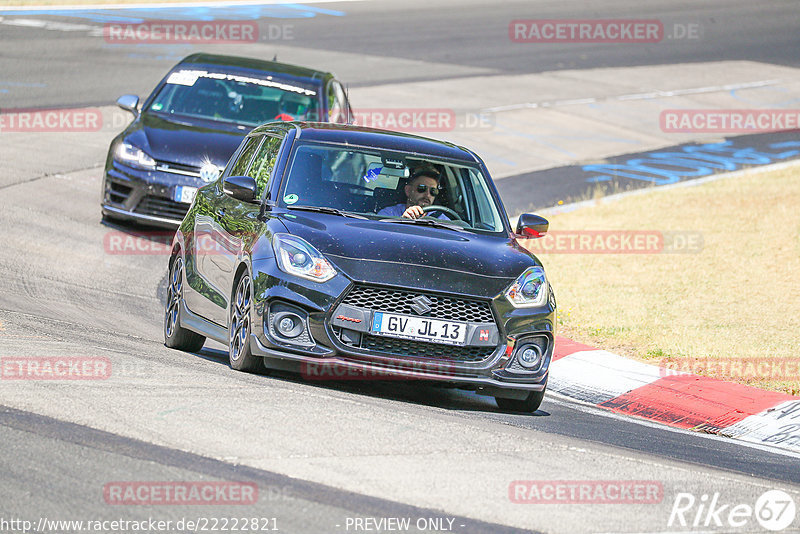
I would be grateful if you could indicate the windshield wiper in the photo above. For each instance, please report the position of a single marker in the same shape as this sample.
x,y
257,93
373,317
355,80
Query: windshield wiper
x,y
326,209
427,222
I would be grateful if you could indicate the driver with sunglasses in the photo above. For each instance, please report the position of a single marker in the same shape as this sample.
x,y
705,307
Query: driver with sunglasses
x,y
421,191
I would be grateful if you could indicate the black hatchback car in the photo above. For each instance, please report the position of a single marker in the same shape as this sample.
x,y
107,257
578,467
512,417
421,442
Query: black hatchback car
x,y
186,130
287,259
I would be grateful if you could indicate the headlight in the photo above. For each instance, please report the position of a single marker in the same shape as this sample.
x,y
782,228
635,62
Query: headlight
x,y
529,290
295,256
133,156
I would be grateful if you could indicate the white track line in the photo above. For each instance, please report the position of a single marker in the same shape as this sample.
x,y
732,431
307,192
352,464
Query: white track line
x,y
634,96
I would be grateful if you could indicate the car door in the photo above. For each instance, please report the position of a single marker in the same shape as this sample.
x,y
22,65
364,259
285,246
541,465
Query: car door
x,y
214,250
236,223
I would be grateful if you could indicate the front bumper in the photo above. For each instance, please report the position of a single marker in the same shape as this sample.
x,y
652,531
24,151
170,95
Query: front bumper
x,y
322,354
342,368
147,196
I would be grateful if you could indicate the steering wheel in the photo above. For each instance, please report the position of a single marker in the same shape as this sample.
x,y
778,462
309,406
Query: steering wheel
x,y
447,211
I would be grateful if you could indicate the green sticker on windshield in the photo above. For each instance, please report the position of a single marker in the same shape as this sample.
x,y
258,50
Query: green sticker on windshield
x,y
158,107
291,199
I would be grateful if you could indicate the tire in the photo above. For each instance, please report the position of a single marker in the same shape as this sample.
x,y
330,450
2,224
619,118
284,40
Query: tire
x,y
239,355
529,404
175,336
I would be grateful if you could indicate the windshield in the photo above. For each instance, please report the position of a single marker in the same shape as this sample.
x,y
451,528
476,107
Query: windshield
x,y
235,98
380,185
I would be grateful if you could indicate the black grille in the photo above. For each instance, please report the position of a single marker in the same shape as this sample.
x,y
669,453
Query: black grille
x,y
117,193
399,301
170,165
162,207
423,349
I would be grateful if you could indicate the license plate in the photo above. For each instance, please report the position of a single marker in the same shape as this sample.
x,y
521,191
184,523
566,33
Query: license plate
x,y
419,328
184,193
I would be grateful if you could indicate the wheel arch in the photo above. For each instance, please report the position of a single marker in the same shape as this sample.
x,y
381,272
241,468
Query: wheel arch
x,y
177,247
243,267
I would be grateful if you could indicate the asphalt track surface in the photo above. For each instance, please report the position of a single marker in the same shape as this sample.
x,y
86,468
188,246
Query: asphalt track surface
x,y
319,453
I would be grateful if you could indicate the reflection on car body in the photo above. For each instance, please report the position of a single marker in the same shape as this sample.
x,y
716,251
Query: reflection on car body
x,y
187,129
305,271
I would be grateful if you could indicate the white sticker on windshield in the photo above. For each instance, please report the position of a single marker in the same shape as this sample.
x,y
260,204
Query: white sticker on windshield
x,y
291,199
190,77
185,77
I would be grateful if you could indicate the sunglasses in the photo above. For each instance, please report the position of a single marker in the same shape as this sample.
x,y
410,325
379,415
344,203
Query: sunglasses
x,y
421,188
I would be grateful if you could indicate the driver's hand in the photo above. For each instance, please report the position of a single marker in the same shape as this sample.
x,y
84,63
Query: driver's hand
x,y
414,212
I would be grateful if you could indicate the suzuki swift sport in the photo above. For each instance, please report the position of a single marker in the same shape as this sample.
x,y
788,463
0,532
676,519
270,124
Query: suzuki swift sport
x,y
299,257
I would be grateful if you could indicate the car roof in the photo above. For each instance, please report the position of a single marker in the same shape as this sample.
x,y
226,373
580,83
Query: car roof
x,y
372,137
255,64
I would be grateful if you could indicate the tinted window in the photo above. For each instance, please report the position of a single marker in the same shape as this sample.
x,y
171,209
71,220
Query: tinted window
x,y
235,98
240,167
263,165
367,181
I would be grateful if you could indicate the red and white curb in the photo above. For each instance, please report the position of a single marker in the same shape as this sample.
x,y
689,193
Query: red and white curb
x,y
681,400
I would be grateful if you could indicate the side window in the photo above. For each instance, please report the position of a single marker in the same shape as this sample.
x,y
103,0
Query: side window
x,y
337,103
486,215
240,167
262,167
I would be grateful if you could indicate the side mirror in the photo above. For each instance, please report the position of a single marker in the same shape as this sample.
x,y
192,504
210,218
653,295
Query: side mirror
x,y
129,103
240,187
532,226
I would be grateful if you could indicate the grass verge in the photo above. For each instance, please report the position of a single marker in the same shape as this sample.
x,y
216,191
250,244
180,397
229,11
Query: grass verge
x,y
729,309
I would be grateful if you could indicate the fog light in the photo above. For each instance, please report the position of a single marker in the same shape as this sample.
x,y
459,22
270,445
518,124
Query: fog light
x,y
288,324
529,357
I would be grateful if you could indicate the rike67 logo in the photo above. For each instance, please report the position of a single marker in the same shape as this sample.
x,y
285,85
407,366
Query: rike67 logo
x,y
774,511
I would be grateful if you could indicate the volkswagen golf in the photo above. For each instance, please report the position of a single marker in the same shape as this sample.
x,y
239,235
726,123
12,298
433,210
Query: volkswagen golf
x,y
186,130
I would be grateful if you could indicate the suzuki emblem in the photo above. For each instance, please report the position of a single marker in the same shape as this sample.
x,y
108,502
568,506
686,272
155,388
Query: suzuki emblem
x,y
421,304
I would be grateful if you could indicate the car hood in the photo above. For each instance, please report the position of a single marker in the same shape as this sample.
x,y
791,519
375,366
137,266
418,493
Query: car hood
x,y
187,143
418,257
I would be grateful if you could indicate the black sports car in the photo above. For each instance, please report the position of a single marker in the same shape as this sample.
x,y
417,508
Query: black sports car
x,y
187,129
288,260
